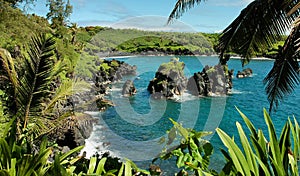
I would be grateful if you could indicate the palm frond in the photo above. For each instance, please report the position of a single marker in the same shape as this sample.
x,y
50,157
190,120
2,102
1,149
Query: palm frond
x,y
284,76
67,88
294,9
180,7
7,67
34,84
8,77
257,27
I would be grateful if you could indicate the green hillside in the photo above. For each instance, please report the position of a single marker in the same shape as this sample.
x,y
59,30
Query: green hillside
x,y
17,28
136,41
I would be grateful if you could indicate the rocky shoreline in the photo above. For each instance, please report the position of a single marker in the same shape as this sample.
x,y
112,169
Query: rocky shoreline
x,y
73,130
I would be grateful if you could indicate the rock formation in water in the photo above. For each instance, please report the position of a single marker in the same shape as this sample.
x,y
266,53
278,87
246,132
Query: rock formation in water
x,y
113,70
108,73
216,80
128,88
245,73
169,80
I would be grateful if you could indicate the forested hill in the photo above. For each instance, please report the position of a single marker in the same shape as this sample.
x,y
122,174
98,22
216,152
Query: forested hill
x,y
17,28
133,41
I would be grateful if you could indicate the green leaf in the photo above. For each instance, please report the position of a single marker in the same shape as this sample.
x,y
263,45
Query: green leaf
x,y
250,156
121,170
263,166
100,167
171,135
182,130
248,123
128,171
236,154
274,145
65,155
296,142
208,149
92,165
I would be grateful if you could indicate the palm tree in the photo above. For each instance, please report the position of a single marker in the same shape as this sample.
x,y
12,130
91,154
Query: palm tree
x,y
259,26
28,94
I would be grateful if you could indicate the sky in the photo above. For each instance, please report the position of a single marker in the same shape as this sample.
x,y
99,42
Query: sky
x,y
209,16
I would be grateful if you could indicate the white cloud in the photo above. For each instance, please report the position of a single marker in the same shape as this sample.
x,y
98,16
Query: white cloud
x,y
153,23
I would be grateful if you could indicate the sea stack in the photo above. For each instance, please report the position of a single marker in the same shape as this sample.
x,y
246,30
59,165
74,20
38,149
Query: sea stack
x,y
169,80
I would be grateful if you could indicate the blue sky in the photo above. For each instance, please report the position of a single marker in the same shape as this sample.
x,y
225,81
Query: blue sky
x,y
209,16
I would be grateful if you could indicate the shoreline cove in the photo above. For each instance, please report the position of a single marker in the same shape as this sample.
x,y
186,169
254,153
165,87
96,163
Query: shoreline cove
x,y
125,120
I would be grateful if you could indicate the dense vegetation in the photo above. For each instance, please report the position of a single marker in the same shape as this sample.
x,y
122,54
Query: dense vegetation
x,y
108,41
137,41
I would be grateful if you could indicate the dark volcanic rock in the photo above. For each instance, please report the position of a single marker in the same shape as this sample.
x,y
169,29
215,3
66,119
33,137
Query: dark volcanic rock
x,y
128,88
110,71
73,131
212,80
113,71
245,73
169,80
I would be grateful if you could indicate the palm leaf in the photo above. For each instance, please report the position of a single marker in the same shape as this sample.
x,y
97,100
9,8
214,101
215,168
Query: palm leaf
x,y
257,27
34,84
8,76
294,9
284,76
67,88
180,7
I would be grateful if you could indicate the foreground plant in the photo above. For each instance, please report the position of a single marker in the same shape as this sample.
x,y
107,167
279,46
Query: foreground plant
x,y
192,154
29,92
259,156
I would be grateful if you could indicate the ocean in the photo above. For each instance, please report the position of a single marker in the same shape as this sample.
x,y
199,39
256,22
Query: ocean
x,y
132,129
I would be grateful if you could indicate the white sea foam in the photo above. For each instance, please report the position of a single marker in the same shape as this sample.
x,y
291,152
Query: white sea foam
x,y
184,97
115,89
234,91
96,143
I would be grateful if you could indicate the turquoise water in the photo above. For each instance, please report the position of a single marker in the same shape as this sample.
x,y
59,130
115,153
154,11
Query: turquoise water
x,y
132,128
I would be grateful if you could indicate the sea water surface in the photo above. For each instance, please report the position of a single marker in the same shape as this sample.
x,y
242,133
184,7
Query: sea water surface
x,y
134,126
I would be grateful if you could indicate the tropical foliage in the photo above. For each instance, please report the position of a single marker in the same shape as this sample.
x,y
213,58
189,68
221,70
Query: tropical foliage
x,y
259,156
192,154
17,160
254,154
258,27
137,41
29,88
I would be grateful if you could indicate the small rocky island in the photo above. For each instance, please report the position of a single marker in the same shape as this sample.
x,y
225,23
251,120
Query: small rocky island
x,y
247,72
170,81
216,80
129,88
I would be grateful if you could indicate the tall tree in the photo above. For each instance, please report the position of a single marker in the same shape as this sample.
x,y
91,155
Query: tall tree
x,y
259,26
59,12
